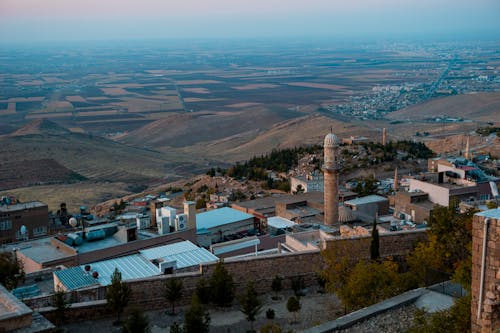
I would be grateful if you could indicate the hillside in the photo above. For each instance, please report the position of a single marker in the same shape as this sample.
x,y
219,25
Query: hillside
x,y
483,107
41,127
94,158
183,130
296,132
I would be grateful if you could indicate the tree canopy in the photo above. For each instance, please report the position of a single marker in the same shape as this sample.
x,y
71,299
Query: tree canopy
x,y
222,286
117,294
11,270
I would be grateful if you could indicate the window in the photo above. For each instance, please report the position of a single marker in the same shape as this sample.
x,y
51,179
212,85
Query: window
x,y
6,225
39,231
484,197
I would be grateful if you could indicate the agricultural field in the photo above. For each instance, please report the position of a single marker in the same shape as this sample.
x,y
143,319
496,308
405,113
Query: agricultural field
x,y
153,112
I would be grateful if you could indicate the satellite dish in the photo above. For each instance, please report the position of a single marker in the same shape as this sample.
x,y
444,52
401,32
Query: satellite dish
x,y
23,230
73,222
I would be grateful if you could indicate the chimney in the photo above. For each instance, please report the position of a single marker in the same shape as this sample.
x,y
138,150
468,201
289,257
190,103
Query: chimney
x,y
396,185
190,211
384,136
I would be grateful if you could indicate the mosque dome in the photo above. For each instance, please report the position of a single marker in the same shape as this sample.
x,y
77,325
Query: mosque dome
x,y
331,140
346,214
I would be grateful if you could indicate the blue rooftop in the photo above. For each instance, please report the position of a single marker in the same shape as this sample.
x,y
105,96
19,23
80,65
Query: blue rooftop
x,y
133,266
75,278
219,217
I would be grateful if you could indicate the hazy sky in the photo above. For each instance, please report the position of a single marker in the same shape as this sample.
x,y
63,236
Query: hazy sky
x,y
60,20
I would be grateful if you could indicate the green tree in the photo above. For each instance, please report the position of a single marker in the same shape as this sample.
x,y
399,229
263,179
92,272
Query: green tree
x,y
173,291
425,261
453,232
211,172
293,306
61,305
276,285
299,189
375,242
250,304
366,186
203,291
491,205
11,270
298,285
117,294
271,328
196,319
137,322
201,203
175,328
222,286
370,282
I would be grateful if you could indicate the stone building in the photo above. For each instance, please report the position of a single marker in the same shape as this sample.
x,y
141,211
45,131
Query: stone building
x,y
485,289
23,221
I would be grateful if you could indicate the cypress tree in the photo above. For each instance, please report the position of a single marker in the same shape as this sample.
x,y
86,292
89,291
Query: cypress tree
x,y
117,294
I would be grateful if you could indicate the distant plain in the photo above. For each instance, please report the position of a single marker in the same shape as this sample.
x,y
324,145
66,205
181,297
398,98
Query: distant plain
x,y
155,112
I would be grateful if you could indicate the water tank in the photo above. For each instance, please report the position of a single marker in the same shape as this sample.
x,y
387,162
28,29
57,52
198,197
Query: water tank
x,y
77,240
73,222
95,235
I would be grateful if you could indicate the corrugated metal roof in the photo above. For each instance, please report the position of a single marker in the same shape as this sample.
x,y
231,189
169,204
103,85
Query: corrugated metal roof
x,y
166,250
218,217
235,245
75,278
366,200
186,254
132,267
191,258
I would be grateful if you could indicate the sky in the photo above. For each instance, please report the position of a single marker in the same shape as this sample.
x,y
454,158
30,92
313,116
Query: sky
x,y
75,20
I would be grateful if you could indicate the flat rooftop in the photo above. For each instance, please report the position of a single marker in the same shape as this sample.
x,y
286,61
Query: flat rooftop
x,y
21,206
219,217
366,200
270,202
41,250
492,213
280,222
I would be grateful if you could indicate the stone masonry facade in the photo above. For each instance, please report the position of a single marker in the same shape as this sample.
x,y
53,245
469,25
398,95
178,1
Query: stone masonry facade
x,y
489,317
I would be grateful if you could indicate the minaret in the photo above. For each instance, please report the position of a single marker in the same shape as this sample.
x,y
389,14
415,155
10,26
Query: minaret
x,y
384,136
467,149
331,178
396,185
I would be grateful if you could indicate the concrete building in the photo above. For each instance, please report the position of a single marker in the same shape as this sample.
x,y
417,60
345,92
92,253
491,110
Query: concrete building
x,y
352,140
223,224
92,244
308,183
367,208
166,259
15,316
331,175
413,206
23,221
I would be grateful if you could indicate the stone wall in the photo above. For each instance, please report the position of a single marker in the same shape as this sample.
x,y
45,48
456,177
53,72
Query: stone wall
x,y
489,317
391,244
148,293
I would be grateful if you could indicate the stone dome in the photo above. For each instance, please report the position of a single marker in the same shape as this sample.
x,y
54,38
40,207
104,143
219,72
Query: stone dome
x,y
331,140
346,214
